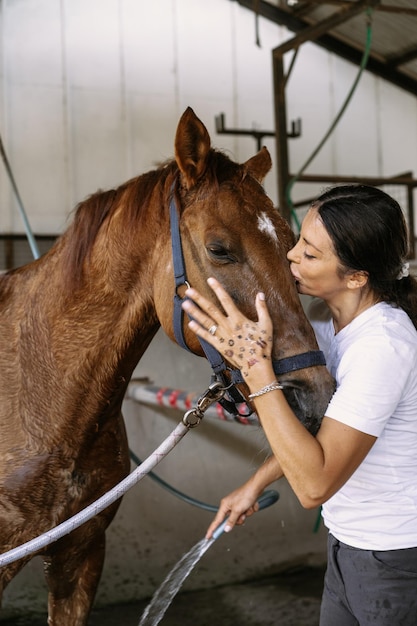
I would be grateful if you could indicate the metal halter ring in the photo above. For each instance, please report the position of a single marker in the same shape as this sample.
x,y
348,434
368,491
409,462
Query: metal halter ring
x,y
212,329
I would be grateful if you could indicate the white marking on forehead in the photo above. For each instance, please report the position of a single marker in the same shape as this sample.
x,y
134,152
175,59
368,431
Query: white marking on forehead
x,y
265,225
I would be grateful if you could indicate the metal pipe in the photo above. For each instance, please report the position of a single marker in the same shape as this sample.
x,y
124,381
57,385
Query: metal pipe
x,y
178,399
31,239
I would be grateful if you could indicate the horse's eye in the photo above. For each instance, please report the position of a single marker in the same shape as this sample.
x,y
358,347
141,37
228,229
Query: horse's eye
x,y
220,254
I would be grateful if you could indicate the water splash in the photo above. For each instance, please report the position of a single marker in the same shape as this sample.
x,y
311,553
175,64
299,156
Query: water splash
x,y
163,597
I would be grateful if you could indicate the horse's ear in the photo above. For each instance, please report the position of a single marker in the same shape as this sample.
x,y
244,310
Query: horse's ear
x,y
259,165
192,145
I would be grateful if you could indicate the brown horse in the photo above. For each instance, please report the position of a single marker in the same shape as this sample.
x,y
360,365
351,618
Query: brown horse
x,y
75,323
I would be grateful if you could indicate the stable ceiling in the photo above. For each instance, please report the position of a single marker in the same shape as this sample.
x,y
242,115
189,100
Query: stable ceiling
x,y
394,31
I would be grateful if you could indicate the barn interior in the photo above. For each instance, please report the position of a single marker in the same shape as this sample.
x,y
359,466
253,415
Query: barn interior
x,y
91,94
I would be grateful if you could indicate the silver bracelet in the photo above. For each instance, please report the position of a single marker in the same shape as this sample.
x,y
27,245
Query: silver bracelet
x,y
271,387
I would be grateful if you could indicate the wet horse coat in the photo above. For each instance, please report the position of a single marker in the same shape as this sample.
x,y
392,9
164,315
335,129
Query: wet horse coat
x,y
74,324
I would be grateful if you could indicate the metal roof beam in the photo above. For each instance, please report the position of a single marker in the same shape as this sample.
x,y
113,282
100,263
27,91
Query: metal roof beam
x,y
312,32
402,59
331,43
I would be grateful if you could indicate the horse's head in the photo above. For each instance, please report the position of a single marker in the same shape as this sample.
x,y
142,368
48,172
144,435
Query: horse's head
x,y
230,230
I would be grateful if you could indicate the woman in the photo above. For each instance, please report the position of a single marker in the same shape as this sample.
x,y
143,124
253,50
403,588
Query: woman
x,y
362,464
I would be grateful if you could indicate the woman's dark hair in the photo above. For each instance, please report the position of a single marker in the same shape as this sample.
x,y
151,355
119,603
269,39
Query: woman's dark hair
x,y
369,233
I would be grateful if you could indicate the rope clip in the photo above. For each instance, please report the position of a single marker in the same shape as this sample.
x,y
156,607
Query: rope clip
x,y
213,393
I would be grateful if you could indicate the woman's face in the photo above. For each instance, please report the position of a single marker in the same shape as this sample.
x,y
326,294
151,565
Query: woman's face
x,y
313,261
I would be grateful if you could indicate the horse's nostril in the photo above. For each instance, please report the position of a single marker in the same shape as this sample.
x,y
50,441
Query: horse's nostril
x,y
308,411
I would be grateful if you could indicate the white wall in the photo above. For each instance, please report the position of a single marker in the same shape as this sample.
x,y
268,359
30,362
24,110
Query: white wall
x,y
91,92
376,135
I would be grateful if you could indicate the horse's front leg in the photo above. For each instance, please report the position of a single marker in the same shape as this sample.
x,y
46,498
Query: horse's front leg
x,y
8,572
73,572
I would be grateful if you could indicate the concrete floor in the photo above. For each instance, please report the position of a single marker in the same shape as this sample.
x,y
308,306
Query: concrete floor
x,y
289,599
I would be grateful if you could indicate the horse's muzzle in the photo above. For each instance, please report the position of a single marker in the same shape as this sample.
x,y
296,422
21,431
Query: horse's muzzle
x,y
308,403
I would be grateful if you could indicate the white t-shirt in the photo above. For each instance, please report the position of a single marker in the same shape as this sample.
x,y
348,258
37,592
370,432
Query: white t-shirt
x,y
374,362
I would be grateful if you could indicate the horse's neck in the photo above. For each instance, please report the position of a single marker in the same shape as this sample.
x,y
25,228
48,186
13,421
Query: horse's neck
x,y
93,322
90,332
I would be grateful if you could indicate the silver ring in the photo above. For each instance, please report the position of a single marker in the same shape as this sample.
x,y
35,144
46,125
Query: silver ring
x,y
212,329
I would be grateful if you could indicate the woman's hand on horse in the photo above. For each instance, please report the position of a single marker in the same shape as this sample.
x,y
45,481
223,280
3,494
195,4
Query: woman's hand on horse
x,y
244,343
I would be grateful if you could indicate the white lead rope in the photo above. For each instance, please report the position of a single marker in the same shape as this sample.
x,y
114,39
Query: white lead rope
x,y
36,544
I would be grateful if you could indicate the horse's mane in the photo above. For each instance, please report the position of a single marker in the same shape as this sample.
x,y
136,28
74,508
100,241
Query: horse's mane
x,y
92,214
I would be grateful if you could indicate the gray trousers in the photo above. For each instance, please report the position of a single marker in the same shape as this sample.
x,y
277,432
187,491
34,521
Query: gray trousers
x,y
365,587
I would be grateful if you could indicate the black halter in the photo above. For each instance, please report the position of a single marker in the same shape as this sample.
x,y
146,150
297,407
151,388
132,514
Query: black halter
x,y
228,376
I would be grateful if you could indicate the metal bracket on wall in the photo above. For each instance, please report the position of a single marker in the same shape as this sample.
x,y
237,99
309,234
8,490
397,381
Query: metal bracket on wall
x,y
253,132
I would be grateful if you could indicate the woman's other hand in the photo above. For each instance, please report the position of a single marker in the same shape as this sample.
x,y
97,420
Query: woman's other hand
x,y
237,506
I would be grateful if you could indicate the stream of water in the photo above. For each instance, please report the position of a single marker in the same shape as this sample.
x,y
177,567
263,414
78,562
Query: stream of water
x,y
163,597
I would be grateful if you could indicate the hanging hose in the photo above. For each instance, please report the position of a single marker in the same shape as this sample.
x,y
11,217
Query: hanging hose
x,y
29,234
362,66
175,492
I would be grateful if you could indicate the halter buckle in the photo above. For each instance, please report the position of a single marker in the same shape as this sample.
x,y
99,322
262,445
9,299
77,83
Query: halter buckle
x,y
213,393
192,418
